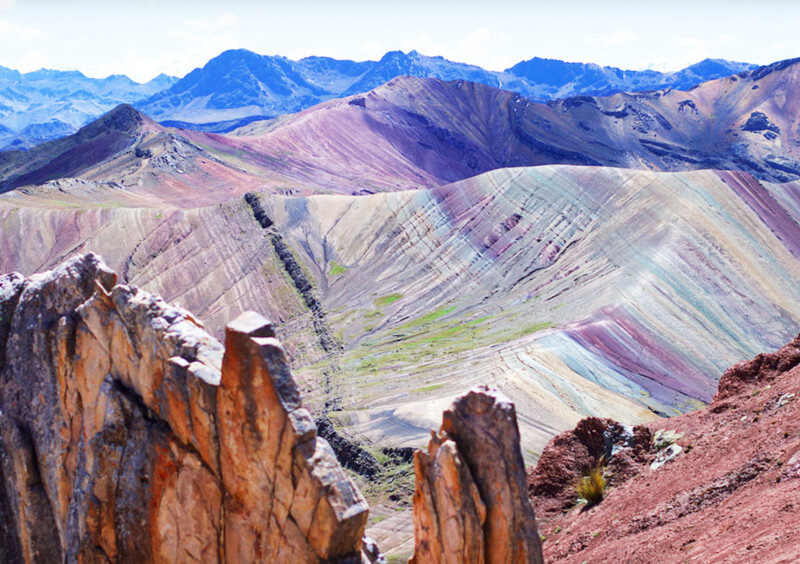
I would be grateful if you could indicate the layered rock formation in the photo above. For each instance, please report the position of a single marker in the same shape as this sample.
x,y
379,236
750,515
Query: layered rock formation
x,y
716,485
127,433
470,503
576,291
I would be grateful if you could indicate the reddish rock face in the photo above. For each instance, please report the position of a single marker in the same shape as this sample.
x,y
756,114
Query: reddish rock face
x,y
573,454
126,435
449,514
716,485
470,503
275,470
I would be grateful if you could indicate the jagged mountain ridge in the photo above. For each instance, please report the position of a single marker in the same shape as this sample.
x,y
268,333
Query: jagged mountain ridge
x,y
241,85
414,132
417,133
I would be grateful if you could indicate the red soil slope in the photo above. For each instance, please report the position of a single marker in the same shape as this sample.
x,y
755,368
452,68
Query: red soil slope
x,y
731,495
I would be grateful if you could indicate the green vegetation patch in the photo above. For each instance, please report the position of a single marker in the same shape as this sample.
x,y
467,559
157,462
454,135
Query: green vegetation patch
x,y
535,328
387,299
431,388
429,317
337,269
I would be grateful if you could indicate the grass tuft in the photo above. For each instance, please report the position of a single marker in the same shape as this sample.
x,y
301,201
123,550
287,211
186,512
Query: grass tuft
x,y
592,487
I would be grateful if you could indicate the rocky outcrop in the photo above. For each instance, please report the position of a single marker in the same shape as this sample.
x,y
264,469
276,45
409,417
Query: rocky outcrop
x,y
758,121
573,454
349,454
470,503
127,433
714,485
761,370
304,287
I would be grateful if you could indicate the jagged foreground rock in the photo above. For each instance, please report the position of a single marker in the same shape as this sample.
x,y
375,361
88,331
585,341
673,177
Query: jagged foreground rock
x,y
127,433
470,503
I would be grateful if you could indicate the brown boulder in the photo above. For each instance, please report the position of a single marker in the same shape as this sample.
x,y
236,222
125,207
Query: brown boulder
x,y
763,368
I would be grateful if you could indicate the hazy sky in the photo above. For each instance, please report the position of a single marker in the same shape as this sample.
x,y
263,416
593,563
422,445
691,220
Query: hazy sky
x,y
142,38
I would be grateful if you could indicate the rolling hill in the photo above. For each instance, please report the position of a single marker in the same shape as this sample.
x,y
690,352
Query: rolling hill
x,y
576,290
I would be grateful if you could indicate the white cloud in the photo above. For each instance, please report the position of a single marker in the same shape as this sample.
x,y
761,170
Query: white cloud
x,y
228,20
225,21
371,50
31,61
424,43
622,36
16,32
483,47
6,4
191,51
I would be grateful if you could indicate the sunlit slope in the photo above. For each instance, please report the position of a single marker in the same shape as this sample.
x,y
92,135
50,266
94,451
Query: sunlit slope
x,y
576,290
546,282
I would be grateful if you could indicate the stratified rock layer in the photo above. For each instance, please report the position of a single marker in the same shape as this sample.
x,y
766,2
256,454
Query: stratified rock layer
x,y
127,433
470,503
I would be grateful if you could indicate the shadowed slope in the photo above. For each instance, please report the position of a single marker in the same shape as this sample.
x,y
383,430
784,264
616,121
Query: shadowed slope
x,y
415,132
102,139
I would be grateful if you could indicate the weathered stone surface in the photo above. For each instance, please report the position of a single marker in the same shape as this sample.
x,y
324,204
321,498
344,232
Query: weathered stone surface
x,y
471,502
126,436
275,468
448,510
715,485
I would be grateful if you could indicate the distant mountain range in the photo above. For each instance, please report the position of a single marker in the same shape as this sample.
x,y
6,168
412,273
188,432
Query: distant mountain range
x,y
45,104
240,86
420,133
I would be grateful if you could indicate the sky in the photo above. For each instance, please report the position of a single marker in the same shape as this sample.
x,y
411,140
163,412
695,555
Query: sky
x,y
142,38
